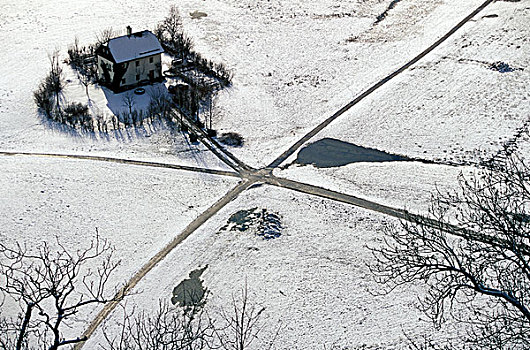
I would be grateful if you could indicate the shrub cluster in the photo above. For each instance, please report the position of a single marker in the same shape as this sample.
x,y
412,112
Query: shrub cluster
x,y
231,139
82,59
171,35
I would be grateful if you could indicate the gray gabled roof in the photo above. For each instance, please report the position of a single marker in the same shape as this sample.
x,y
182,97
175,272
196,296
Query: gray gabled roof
x,y
137,45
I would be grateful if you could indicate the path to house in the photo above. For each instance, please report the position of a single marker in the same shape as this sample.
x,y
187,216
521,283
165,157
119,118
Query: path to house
x,y
122,161
250,176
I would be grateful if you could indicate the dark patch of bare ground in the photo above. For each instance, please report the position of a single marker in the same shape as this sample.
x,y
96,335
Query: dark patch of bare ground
x,y
263,222
383,15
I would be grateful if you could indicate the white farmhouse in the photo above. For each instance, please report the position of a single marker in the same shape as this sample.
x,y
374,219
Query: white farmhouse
x,y
128,60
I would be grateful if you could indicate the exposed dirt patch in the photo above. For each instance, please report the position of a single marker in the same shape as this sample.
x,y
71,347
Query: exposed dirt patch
x,y
499,66
198,14
264,223
231,139
383,15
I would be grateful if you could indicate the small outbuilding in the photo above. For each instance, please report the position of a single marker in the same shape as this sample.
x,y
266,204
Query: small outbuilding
x,y
129,60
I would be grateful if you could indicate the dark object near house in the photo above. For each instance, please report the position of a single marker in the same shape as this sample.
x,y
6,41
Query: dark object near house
x,y
139,91
211,132
193,138
182,87
231,139
129,60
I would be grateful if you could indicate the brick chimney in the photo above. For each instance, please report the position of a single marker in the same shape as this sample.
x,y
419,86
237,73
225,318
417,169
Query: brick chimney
x,y
129,30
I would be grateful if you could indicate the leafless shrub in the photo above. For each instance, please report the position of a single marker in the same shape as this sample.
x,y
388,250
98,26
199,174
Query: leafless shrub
x,y
242,324
169,328
43,98
48,94
55,80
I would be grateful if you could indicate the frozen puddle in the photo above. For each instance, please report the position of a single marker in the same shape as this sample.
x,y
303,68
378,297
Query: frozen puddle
x,y
190,292
328,153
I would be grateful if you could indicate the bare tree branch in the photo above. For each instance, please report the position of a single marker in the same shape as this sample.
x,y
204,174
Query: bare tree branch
x,y
490,260
50,286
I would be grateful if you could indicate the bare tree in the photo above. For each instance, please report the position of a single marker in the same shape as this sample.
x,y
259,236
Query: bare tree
x,y
159,104
474,257
241,325
169,328
55,80
86,78
50,287
105,35
172,24
129,101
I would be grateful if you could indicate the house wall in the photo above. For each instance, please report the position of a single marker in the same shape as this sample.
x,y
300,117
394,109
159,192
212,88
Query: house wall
x,y
109,64
138,72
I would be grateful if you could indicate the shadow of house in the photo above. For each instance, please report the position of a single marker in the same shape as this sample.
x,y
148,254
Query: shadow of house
x,y
127,61
125,102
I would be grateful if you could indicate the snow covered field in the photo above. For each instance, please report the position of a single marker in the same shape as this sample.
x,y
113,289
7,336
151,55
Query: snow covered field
x,y
295,63
311,67
407,185
139,210
452,106
313,279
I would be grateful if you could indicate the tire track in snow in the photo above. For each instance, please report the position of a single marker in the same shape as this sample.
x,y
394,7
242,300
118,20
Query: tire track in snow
x,y
123,161
401,214
223,154
374,87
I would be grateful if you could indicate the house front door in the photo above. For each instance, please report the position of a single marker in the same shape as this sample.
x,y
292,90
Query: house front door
x,y
151,74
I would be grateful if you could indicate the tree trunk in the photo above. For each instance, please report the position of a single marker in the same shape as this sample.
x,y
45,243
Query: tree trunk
x,y
24,327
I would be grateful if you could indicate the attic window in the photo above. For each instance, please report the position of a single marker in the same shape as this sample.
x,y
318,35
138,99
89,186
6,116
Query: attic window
x,y
137,63
150,59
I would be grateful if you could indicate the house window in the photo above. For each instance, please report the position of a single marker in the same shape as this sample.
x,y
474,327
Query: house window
x,y
123,81
137,63
150,59
137,77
